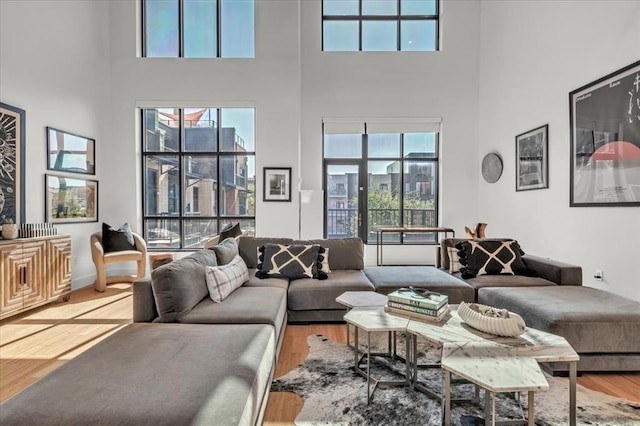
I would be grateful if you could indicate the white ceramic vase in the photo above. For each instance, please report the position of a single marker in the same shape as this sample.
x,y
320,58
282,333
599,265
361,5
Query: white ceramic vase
x,y
9,231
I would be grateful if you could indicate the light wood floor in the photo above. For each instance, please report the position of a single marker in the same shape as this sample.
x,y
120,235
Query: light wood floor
x,y
35,343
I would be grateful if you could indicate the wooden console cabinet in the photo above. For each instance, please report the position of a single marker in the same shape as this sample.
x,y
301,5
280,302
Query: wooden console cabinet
x,y
33,272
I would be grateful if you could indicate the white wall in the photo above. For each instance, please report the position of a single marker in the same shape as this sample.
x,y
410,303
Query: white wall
x,y
269,83
54,64
399,84
532,55
505,67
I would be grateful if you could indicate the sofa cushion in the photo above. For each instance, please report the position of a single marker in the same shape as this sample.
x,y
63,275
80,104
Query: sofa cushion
x,y
226,250
248,247
178,286
482,281
223,280
159,374
386,279
490,257
305,294
592,320
114,240
346,253
267,305
254,281
288,261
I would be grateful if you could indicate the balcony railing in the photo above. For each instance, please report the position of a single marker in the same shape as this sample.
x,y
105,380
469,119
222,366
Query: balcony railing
x,y
344,222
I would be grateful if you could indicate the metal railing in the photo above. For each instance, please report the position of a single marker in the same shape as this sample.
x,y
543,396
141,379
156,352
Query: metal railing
x,y
344,222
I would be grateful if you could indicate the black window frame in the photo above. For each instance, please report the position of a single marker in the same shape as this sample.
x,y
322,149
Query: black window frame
x,y
363,211
182,217
398,18
181,30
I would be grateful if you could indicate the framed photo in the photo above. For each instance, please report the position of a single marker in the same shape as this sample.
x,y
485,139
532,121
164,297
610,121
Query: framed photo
x,y
532,159
605,141
70,199
71,153
12,161
277,184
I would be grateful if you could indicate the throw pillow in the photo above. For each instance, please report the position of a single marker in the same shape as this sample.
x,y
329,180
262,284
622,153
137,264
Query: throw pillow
x,y
230,231
490,257
323,260
117,239
223,280
226,250
454,260
180,285
291,261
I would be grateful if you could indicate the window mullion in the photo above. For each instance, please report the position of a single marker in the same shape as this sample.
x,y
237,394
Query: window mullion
x,y
398,43
401,200
180,28
219,32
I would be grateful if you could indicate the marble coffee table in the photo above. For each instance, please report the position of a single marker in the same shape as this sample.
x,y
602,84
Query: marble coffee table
x,y
536,344
360,299
496,369
375,319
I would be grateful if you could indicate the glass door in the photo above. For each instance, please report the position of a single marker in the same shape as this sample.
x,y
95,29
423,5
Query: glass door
x,y
343,207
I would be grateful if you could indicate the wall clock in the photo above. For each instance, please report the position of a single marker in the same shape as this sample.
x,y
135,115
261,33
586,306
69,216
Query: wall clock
x,y
491,167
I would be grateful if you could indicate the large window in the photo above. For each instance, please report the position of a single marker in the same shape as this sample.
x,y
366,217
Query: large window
x,y
198,28
199,174
380,25
375,180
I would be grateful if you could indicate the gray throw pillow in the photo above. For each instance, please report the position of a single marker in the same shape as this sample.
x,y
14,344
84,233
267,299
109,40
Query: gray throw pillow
x,y
226,250
180,285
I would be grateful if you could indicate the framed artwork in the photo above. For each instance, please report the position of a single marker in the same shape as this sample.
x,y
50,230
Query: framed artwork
x,y
277,184
605,140
12,160
70,199
532,159
68,152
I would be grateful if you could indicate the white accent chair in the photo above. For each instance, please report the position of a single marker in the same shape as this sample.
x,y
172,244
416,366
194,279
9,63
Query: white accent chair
x,y
100,259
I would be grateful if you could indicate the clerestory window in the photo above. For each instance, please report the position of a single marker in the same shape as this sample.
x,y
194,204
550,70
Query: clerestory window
x,y
380,25
198,29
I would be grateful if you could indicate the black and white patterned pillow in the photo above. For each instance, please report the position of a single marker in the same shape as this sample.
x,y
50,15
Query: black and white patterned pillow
x,y
288,261
490,257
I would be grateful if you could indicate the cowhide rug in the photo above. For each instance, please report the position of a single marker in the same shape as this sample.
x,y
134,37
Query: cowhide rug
x,y
334,394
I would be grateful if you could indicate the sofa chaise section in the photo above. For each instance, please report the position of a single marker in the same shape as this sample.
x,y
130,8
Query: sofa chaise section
x,y
156,374
602,327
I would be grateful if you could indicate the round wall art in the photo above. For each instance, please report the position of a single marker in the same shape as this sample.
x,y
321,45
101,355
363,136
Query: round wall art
x,y
491,167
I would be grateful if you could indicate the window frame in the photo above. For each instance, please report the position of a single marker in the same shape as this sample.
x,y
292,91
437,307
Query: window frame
x,y
360,18
363,164
181,32
182,216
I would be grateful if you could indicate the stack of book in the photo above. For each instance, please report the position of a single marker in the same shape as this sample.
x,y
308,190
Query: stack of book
x,y
418,304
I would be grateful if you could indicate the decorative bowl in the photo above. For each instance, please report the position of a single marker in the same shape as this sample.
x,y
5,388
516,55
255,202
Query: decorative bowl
x,y
511,326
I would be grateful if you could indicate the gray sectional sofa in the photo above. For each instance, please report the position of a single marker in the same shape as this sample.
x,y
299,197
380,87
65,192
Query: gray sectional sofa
x,y
212,363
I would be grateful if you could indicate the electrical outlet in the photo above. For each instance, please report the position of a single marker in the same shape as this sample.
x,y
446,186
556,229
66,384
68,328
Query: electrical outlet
x,y
599,275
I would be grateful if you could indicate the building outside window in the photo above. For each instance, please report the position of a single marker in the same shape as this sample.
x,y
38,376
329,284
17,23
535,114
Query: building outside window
x,y
380,25
199,174
198,29
387,180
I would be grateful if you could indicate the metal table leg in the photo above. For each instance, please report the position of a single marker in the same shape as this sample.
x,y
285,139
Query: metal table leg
x,y
573,367
447,398
530,414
